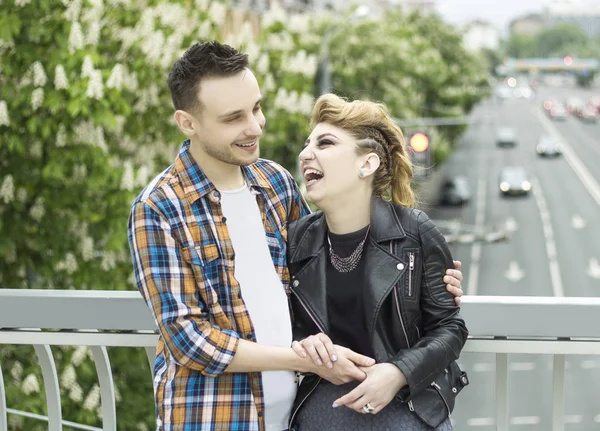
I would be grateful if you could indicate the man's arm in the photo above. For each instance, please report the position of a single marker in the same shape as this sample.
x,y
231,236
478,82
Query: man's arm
x,y
167,283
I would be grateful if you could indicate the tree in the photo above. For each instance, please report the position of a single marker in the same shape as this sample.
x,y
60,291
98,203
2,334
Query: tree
x,y
556,41
521,46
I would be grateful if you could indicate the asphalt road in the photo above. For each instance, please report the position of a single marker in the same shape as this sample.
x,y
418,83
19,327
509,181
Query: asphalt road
x,y
553,250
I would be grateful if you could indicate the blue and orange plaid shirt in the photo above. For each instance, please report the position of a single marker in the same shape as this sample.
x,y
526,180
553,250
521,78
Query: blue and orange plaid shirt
x,y
183,261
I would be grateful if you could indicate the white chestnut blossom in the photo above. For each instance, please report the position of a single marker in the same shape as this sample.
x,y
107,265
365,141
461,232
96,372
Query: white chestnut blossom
x,y
142,176
93,34
69,264
127,181
61,136
37,211
30,385
79,172
37,98
60,78
115,80
4,118
205,30
87,67
75,37
217,12
100,141
93,398
7,189
35,150
21,195
201,4
68,377
262,65
22,3
39,75
73,10
87,248
17,372
80,354
95,88
76,393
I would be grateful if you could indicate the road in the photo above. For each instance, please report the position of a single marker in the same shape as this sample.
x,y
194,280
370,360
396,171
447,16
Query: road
x,y
553,250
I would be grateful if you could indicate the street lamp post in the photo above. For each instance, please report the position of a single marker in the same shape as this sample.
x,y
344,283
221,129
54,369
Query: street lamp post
x,y
324,71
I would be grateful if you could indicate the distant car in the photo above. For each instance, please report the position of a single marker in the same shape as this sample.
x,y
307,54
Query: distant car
x,y
506,137
548,147
557,112
455,191
575,104
587,114
514,181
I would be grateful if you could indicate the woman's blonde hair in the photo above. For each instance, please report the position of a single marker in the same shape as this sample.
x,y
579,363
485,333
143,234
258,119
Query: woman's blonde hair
x,y
375,132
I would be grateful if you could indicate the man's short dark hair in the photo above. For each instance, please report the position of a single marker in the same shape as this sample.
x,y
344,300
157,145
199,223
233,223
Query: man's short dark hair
x,y
200,61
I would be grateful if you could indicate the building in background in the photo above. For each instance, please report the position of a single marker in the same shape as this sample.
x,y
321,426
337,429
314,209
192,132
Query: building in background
x,y
481,35
583,14
528,25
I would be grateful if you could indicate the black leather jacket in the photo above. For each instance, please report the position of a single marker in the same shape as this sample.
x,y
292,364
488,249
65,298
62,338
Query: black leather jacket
x,y
412,320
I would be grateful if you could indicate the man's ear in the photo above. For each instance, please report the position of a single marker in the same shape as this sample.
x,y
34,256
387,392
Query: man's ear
x,y
370,164
185,122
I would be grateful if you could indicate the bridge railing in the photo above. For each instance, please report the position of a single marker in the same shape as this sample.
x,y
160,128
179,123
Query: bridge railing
x,y
101,319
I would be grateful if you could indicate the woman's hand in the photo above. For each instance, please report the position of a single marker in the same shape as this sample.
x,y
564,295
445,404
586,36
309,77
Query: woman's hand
x,y
319,347
379,388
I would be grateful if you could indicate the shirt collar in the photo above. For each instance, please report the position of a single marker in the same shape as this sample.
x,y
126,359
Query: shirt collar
x,y
196,184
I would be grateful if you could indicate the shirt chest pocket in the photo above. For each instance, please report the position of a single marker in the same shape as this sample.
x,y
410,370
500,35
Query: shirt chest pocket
x,y
204,262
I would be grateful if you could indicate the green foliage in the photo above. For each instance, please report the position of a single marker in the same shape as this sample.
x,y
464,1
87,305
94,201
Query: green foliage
x,y
559,40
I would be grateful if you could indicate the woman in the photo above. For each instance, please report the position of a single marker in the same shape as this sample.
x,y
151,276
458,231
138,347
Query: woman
x,y
367,274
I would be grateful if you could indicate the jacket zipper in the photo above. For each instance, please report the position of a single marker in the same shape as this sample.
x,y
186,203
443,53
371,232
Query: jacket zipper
x,y
292,417
398,307
318,381
411,268
439,390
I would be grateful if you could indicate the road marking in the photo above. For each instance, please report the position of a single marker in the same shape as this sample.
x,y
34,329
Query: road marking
x,y
481,422
594,268
555,276
597,419
473,279
572,159
525,420
573,419
578,222
514,272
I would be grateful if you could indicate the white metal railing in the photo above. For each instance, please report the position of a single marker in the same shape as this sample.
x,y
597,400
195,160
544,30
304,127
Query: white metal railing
x,y
100,319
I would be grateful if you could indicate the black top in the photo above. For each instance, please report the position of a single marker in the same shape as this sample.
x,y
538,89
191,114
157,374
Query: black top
x,y
345,296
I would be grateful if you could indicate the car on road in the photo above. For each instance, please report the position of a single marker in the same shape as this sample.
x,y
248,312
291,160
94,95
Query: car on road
x,y
587,114
557,111
514,181
548,146
506,137
455,191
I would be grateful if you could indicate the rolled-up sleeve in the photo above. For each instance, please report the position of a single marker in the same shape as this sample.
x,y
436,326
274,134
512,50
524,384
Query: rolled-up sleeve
x,y
170,288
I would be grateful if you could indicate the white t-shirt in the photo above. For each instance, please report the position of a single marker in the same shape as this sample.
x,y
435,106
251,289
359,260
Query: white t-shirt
x,y
264,297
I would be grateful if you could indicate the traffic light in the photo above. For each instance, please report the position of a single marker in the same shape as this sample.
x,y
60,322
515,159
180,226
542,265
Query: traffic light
x,y
419,142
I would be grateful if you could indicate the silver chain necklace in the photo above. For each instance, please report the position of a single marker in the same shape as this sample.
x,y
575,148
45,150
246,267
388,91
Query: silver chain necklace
x,y
347,264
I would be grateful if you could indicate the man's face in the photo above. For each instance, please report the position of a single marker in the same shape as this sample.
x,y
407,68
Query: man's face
x,y
231,121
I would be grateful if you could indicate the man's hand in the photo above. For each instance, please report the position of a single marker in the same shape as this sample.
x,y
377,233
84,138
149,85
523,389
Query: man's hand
x,y
379,388
453,278
319,347
349,366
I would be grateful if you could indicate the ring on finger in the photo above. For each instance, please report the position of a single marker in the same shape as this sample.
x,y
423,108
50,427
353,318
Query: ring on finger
x,y
368,408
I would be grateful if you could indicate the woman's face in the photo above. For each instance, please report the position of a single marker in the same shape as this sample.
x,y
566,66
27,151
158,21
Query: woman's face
x,y
330,165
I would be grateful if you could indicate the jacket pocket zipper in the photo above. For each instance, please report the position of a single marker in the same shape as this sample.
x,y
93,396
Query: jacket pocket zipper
x,y
439,390
411,269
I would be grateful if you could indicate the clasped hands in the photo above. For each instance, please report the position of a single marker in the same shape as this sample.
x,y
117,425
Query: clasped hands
x,y
379,382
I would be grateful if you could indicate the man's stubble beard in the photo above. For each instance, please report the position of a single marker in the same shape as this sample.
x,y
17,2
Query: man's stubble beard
x,y
226,155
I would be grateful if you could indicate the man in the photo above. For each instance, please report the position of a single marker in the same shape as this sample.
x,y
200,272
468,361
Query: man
x,y
207,238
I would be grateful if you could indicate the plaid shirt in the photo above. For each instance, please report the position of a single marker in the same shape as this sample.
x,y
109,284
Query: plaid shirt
x,y
183,261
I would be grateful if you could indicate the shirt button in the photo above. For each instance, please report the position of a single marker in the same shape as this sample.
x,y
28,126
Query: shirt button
x,y
260,414
216,194
248,336
224,219
400,266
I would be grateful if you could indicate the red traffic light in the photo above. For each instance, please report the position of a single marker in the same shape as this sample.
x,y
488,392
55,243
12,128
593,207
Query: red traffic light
x,y
419,142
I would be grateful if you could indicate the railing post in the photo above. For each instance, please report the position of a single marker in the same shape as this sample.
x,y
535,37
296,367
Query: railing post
x,y
3,416
44,354
107,389
151,353
558,401
501,392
